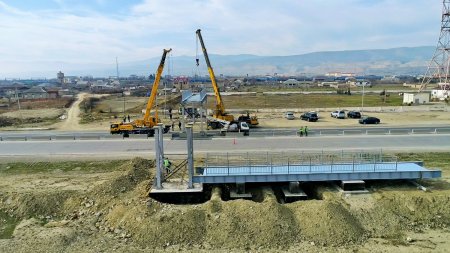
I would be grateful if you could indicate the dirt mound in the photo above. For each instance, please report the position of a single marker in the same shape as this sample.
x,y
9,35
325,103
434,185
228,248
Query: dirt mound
x,y
135,171
327,222
34,204
245,224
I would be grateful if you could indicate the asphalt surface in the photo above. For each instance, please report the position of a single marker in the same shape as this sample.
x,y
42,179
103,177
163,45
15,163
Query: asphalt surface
x,y
127,148
49,134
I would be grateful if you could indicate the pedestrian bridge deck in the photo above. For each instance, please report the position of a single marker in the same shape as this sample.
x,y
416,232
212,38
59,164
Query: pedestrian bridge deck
x,y
305,173
326,168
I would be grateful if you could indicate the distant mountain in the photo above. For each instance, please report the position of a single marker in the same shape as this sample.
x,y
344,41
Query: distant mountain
x,y
395,61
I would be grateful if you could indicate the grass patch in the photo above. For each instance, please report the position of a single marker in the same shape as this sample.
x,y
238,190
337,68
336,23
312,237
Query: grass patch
x,y
431,160
42,167
7,225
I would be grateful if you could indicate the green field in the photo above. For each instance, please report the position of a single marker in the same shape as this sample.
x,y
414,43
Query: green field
x,y
304,101
108,108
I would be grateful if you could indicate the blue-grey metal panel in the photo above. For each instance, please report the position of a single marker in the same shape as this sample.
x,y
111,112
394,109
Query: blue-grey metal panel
x,y
299,169
317,177
326,172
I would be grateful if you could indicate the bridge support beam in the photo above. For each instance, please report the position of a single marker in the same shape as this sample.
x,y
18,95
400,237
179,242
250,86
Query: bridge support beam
x,y
158,157
293,192
190,155
238,192
353,186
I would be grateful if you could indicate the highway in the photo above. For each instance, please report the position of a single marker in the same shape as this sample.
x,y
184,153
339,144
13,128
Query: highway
x,y
127,148
260,132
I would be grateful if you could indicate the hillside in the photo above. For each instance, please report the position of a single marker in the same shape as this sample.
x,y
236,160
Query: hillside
x,y
379,61
395,61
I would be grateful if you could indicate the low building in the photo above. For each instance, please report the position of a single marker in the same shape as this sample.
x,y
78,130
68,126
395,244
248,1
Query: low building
x,y
291,82
52,92
327,84
35,92
340,85
416,98
360,83
82,85
412,85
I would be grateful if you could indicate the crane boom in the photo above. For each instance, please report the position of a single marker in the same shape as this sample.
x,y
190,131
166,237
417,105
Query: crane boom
x,y
144,125
220,108
151,99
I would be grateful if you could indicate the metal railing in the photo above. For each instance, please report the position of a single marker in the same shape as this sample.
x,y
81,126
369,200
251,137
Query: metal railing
x,y
265,133
338,132
294,163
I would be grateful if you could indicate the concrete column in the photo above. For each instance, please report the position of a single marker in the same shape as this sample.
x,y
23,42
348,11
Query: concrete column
x,y
158,161
294,187
183,113
161,140
190,154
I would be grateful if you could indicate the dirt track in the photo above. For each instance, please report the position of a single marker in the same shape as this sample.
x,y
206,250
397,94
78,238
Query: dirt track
x,y
72,122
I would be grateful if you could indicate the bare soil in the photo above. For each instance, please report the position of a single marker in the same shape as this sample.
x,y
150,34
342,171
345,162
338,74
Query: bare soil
x,y
76,210
388,119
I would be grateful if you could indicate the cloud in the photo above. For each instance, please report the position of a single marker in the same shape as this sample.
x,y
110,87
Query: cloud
x,y
85,32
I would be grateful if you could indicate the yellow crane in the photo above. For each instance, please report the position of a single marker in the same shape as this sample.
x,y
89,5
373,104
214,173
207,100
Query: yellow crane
x,y
219,111
144,125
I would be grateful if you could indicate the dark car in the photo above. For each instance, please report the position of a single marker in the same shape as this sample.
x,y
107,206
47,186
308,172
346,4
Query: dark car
x,y
354,114
309,116
369,120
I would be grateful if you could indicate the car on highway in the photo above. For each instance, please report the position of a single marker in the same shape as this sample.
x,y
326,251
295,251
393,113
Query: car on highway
x,y
309,116
289,115
369,120
338,114
354,114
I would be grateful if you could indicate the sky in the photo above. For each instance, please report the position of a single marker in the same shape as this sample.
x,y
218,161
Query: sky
x,y
39,35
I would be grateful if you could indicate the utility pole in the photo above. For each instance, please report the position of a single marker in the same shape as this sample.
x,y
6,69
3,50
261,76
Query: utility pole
x,y
117,69
123,93
362,99
17,98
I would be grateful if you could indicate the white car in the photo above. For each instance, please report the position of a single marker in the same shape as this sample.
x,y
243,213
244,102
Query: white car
x,y
289,115
338,114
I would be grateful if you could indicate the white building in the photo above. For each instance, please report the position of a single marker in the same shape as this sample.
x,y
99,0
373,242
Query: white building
x,y
416,98
360,83
440,94
291,82
340,74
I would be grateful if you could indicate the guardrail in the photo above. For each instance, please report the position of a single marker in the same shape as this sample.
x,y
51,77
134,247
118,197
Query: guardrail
x,y
337,132
265,133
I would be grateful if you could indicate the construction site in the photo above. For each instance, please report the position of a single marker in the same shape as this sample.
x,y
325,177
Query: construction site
x,y
189,174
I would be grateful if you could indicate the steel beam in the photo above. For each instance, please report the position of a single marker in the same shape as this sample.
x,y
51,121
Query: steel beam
x,y
190,154
314,177
158,161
